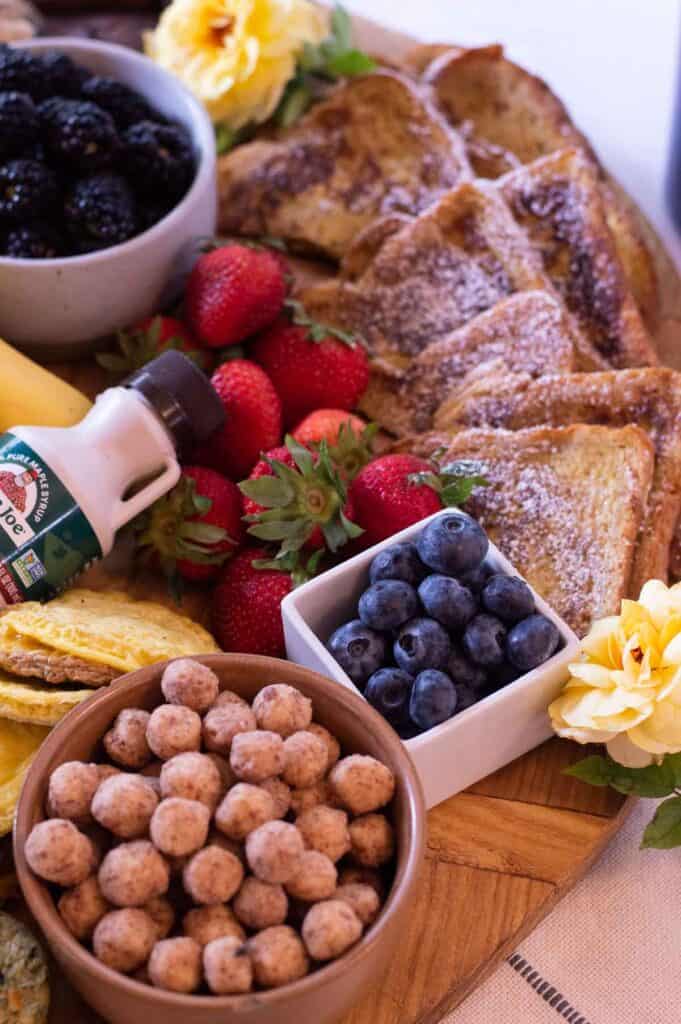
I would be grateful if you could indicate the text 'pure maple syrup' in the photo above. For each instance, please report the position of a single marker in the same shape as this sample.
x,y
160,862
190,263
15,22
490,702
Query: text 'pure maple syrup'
x,y
64,492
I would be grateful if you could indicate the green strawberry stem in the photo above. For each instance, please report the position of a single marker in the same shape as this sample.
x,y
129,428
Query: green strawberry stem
x,y
167,530
317,331
453,482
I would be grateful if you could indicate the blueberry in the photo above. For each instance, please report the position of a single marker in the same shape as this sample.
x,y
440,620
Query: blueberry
x,y
360,651
465,673
476,578
389,691
422,643
398,562
466,697
483,641
452,544
532,642
433,699
507,597
447,601
388,604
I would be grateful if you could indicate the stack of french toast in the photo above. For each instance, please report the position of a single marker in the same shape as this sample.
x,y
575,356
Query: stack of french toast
x,y
508,299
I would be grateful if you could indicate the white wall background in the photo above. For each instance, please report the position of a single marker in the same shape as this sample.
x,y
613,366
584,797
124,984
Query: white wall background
x,y
613,62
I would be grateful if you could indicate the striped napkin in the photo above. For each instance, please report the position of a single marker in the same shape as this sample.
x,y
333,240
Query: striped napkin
x,y
608,954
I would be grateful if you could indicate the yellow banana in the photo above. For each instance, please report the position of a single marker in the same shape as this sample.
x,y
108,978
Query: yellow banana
x,y
32,396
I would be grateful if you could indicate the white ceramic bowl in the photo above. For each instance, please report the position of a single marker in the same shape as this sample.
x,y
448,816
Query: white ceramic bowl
x,y
472,744
58,308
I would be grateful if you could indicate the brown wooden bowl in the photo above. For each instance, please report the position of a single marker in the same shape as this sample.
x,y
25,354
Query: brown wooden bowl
x,y
324,995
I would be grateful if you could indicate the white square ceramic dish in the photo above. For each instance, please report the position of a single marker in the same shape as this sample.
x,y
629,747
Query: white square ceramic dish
x,y
472,744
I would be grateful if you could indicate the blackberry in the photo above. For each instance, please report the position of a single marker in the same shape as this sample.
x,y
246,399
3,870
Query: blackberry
x,y
20,71
31,242
124,104
19,123
27,190
79,133
159,158
61,76
100,211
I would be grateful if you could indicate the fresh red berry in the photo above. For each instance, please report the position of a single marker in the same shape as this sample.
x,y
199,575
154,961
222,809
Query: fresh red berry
x,y
232,292
311,367
252,419
155,334
246,606
325,425
194,528
386,500
263,468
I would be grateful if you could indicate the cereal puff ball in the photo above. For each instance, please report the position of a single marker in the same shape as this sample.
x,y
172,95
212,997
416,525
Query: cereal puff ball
x,y
132,874
315,878
161,912
126,741
362,784
123,939
175,964
124,804
243,809
227,967
304,799
70,791
204,924
179,826
273,851
229,697
223,723
329,929
189,683
282,709
212,875
333,750
82,907
362,898
256,756
372,839
305,759
280,793
325,829
57,852
192,776
259,904
278,956
172,729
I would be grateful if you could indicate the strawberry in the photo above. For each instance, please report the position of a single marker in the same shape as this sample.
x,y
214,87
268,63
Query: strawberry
x,y
246,605
234,291
195,527
349,439
252,419
299,500
395,491
311,366
325,425
147,339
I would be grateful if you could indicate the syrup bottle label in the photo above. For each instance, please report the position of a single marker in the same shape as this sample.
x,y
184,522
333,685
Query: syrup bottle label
x,y
45,539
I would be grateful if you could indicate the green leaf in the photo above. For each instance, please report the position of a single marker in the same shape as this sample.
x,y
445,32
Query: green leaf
x,y
664,831
268,491
301,455
202,533
202,504
459,491
351,529
597,771
349,63
341,28
295,101
653,781
275,530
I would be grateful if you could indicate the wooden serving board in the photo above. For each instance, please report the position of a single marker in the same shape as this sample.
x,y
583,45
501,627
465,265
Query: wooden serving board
x,y
499,856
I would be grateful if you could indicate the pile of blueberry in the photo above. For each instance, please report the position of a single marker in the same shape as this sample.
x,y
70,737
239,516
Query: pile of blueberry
x,y
439,629
85,161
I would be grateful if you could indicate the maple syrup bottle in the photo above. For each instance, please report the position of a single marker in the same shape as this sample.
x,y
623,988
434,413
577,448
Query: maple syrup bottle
x,y
65,491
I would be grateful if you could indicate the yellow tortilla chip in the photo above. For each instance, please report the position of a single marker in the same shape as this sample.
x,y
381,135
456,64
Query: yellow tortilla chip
x,y
107,628
19,743
27,702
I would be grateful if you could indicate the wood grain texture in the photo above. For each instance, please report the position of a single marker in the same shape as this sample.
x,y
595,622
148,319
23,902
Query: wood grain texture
x,y
499,856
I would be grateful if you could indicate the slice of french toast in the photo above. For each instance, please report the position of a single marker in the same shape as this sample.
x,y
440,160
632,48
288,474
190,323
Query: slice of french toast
x,y
376,145
528,332
434,274
650,398
509,117
564,505
558,201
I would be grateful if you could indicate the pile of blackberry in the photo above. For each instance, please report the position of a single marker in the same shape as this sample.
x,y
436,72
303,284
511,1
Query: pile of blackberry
x,y
85,161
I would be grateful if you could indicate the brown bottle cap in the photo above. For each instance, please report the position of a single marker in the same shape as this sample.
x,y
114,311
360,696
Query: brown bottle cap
x,y
182,396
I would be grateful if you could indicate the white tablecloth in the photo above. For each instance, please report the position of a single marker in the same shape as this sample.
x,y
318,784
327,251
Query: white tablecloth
x,y
609,954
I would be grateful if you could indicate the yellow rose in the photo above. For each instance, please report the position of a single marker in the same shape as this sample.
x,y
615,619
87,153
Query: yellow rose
x,y
236,56
626,690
